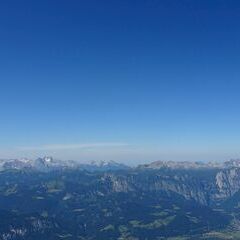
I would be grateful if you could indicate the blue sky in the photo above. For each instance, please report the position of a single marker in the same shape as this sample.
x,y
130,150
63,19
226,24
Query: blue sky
x,y
133,81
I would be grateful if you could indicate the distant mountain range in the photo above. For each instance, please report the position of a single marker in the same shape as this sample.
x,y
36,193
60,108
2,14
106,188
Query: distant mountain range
x,y
191,165
50,164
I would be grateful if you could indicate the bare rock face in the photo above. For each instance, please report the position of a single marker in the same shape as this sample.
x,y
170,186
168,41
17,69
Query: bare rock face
x,y
191,185
227,183
186,186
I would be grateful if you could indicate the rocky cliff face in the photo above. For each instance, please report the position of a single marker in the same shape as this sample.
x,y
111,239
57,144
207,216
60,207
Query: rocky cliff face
x,y
209,188
227,183
188,187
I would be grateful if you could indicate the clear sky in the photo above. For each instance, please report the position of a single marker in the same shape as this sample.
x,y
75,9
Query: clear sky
x,y
128,80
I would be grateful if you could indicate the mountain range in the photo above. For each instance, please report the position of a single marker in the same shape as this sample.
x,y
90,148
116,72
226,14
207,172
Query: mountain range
x,y
52,199
50,164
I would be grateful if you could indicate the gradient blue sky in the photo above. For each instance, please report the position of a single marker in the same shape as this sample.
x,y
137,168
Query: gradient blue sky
x,y
126,80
